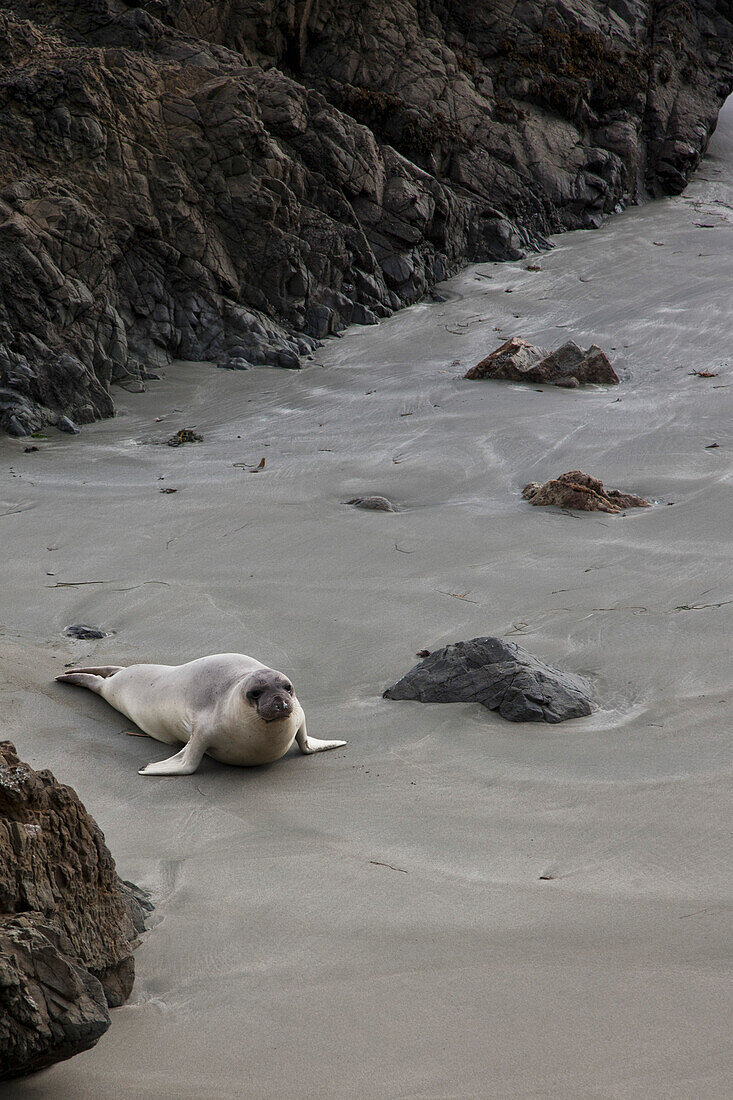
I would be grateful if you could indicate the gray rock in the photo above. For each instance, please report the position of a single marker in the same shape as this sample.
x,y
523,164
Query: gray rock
x,y
501,676
361,315
237,363
64,424
82,632
373,504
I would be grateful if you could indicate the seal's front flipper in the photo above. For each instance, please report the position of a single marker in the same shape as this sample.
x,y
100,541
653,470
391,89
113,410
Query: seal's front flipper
x,y
308,745
184,762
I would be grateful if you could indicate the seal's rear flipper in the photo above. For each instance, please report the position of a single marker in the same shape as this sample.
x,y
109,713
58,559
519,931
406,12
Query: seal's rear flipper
x,y
89,677
308,745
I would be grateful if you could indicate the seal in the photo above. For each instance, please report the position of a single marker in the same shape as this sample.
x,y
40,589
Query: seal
x,y
229,706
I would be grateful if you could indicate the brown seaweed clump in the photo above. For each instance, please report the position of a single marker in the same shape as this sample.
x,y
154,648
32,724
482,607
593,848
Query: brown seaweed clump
x,y
185,435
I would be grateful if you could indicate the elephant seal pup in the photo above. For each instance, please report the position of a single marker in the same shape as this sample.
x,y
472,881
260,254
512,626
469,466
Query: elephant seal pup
x,y
229,706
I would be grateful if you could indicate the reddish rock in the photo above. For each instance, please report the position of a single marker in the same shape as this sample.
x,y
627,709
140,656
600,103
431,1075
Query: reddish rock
x,y
513,361
581,493
567,366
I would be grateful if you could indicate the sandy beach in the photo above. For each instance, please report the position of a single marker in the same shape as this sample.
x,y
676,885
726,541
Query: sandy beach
x,y
374,922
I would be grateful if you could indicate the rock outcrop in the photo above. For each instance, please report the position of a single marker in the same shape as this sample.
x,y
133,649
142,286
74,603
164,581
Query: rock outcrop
x,y
501,676
581,493
568,366
234,180
68,924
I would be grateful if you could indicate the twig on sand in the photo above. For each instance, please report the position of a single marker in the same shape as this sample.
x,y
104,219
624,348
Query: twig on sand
x,y
378,863
236,529
630,607
74,584
401,551
78,584
456,595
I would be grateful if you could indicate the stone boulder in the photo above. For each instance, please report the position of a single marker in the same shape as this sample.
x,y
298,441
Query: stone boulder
x,y
568,366
68,924
581,493
501,676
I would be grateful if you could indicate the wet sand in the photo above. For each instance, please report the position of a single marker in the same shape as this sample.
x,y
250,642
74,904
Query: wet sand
x,y
372,922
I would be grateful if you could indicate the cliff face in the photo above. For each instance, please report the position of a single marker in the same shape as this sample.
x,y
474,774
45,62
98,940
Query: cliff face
x,y
67,922
205,180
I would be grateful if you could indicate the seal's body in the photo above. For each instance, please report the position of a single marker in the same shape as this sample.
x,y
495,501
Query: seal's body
x,y
229,706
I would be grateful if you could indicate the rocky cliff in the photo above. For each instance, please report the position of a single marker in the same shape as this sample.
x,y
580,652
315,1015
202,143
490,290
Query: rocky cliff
x,y
237,179
67,922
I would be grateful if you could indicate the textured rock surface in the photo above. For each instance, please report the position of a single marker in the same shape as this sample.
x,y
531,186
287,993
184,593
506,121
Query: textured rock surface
x,y
581,492
233,180
373,504
501,676
68,924
569,365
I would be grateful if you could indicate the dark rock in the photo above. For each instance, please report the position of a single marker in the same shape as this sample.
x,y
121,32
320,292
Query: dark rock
x,y
83,632
568,366
187,178
65,425
373,504
361,315
580,492
68,924
501,676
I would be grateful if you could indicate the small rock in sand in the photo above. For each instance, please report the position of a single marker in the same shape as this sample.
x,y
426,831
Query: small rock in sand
x,y
580,492
373,504
519,361
83,632
237,363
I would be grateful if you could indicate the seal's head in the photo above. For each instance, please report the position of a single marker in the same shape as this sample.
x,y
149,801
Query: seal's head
x,y
270,693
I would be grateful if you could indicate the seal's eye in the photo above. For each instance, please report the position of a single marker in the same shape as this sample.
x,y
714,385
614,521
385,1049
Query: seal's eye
x,y
254,693
289,688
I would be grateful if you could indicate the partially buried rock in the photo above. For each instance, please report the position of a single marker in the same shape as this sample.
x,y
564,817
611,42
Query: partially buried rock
x,y
568,366
68,924
581,493
237,363
185,435
373,504
501,676
84,633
